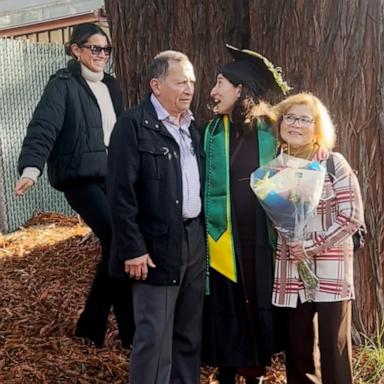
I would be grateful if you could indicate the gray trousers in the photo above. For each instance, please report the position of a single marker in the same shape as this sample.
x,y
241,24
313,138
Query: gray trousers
x,y
167,341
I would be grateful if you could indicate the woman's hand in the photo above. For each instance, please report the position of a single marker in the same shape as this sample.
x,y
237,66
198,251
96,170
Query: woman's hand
x,y
296,251
23,185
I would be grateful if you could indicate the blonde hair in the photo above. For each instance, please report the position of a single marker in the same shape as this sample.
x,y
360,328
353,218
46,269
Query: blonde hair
x,y
324,129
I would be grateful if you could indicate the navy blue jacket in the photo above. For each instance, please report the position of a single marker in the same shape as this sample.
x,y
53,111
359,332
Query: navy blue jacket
x,y
145,193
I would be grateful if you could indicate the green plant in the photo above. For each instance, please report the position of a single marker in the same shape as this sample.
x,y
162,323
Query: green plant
x,y
368,364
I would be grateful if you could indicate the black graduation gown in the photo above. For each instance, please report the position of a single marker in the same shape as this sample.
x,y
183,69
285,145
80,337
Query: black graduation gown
x,y
238,316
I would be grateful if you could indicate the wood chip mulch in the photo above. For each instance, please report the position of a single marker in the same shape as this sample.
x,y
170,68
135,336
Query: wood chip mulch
x,y
46,271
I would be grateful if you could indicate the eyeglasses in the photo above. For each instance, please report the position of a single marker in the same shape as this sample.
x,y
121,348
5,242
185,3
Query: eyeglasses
x,y
304,121
96,49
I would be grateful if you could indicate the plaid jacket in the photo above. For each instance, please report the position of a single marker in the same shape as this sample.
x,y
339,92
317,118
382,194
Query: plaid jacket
x,y
328,241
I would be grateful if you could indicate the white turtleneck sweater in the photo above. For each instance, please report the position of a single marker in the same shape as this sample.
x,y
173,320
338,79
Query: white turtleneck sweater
x,y
108,115
100,90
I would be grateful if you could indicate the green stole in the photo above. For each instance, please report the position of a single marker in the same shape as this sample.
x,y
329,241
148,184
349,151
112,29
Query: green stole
x,y
221,250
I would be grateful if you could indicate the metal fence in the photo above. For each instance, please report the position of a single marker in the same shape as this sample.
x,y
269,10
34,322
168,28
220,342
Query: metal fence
x,y
25,68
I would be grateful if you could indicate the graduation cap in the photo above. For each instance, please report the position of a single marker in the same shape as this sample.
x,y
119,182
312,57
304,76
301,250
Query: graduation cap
x,y
254,71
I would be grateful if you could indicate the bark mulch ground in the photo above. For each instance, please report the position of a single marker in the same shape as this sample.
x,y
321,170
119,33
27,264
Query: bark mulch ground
x,y
46,270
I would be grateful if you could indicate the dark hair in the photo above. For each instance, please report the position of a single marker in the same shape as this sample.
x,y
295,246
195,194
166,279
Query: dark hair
x,y
248,109
81,33
159,66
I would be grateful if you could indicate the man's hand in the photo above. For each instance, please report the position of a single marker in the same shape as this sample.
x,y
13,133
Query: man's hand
x,y
138,268
296,251
22,185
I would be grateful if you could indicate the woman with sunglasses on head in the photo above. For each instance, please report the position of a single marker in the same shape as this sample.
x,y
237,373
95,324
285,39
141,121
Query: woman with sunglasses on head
x,y
306,131
70,131
238,331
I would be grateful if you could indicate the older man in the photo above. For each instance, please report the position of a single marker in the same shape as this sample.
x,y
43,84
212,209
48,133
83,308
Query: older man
x,y
158,241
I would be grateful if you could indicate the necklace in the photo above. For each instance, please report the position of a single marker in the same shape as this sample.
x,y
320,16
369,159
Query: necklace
x,y
306,152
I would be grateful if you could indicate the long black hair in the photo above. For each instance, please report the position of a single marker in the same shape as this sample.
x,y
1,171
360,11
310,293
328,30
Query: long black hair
x,y
249,108
81,33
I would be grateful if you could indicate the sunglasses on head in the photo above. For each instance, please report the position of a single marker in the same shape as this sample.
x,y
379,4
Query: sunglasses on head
x,y
96,49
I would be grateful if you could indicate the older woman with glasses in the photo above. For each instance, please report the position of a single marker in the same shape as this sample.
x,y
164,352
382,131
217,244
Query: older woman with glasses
x,y
70,131
306,131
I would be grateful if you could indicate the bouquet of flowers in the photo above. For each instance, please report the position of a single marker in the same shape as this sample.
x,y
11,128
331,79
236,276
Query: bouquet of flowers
x,y
289,189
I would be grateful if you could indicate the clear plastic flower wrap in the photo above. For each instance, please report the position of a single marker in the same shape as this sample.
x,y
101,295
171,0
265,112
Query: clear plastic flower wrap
x,y
289,189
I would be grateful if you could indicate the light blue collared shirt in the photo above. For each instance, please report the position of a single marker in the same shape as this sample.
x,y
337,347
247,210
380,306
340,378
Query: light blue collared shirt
x,y
188,160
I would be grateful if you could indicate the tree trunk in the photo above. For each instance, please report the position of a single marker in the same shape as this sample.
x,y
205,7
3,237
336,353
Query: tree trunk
x,y
140,30
332,48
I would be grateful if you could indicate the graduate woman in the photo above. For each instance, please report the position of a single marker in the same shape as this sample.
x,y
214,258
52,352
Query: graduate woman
x,y
238,312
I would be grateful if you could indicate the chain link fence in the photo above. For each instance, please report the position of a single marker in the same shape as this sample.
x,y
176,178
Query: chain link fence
x,y
25,68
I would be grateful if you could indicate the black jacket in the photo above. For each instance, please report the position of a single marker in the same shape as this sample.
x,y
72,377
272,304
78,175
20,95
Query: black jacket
x,y
145,193
66,129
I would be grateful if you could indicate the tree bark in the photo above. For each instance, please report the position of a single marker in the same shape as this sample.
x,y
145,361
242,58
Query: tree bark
x,y
140,30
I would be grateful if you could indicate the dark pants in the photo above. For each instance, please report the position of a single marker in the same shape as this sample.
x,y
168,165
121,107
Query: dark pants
x,y
167,342
334,325
89,200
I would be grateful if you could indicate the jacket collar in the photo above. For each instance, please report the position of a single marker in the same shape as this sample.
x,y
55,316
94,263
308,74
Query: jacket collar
x,y
163,114
74,67
151,121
